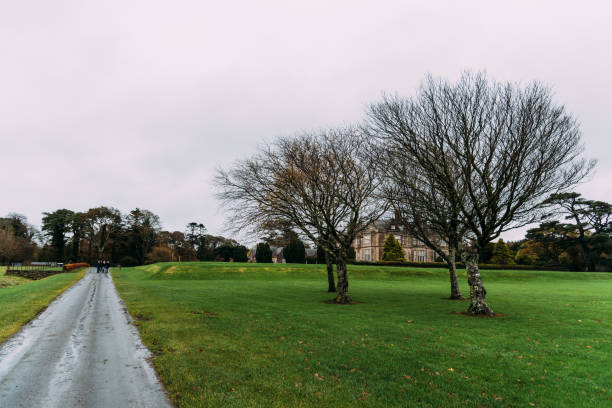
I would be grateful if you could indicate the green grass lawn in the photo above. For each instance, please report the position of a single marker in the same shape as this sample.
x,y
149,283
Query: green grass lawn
x,y
22,299
262,335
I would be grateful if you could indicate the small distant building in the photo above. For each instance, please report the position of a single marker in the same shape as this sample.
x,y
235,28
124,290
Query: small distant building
x,y
311,255
277,254
369,245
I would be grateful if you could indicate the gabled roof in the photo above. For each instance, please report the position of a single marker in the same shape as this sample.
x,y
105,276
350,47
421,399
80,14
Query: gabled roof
x,y
387,224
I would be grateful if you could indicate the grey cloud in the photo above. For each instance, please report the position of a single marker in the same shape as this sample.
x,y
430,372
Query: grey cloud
x,y
136,103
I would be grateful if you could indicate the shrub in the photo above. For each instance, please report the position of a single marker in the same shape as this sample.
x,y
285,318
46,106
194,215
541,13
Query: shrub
x,y
240,254
224,252
295,252
263,253
392,250
502,254
128,261
159,254
461,266
73,266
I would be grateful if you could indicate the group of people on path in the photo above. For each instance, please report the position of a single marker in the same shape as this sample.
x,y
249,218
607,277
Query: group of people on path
x,y
103,266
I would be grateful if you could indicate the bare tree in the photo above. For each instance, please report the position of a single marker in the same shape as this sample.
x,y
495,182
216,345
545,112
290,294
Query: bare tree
x,y
17,238
9,246
509,147
322,183
417,202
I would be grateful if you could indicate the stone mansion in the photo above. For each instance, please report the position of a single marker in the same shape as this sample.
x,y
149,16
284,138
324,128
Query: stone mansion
x,y
369,245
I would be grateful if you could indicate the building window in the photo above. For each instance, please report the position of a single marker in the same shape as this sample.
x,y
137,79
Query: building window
x,y
367,255
398,238
419,255
367,240
417,242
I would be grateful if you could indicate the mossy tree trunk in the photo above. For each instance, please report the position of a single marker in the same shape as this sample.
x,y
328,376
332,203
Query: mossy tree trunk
x,y
478,303
329,262
342,296
452,271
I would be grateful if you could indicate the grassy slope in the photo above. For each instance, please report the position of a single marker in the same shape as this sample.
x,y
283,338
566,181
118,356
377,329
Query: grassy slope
x,y
261,335
7,281
21,302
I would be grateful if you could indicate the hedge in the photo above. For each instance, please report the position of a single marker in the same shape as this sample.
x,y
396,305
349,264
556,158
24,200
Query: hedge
x,y
73,266
461,266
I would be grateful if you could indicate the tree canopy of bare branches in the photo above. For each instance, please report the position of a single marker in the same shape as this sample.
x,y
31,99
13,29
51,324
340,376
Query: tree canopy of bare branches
x,y
323,183
411,176
494,151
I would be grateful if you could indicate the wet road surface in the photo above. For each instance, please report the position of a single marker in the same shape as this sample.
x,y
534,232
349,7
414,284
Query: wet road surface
x,y
81,351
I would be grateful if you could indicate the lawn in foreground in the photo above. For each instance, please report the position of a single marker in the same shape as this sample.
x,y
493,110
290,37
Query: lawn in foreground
x,y
22,299
262,335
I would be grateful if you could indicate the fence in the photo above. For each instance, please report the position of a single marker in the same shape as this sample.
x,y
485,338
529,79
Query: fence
x,y
25,268
38,271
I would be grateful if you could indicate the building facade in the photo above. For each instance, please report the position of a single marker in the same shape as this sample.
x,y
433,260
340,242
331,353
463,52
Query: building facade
x,y
369,245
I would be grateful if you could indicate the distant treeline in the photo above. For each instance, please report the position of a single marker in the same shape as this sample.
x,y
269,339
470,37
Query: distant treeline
x,y
105,233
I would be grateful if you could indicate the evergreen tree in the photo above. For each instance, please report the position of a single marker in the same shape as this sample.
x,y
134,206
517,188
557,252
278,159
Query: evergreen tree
x,y
57,225
502,254
263,253
320,255
240,254
295,252
392,250
224,252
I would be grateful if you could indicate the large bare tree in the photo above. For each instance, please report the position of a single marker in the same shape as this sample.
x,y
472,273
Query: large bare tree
x,y
509,148
323,183
422,207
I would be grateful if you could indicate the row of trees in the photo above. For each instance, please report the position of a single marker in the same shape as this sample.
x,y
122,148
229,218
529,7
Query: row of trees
x,y
581,240
463,161
128,239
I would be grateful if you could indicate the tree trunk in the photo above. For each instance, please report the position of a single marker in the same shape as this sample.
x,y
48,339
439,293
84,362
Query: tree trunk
x,y
478,303
331,284
76,248
342,296
452,271
586,257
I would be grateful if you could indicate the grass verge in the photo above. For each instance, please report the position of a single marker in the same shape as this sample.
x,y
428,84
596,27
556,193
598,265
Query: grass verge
x,y
262,335
23,299
8,281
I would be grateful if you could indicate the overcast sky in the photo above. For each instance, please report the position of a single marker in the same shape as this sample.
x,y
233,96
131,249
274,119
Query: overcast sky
x,y
135,103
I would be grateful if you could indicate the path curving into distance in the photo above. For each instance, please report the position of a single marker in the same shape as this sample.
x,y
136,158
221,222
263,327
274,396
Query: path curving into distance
x,y
82,351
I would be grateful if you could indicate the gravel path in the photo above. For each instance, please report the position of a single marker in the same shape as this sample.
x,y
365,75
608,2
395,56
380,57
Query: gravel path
x,y
81,351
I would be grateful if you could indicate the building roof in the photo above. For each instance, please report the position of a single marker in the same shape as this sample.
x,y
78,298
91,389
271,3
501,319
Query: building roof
x,y
388,224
